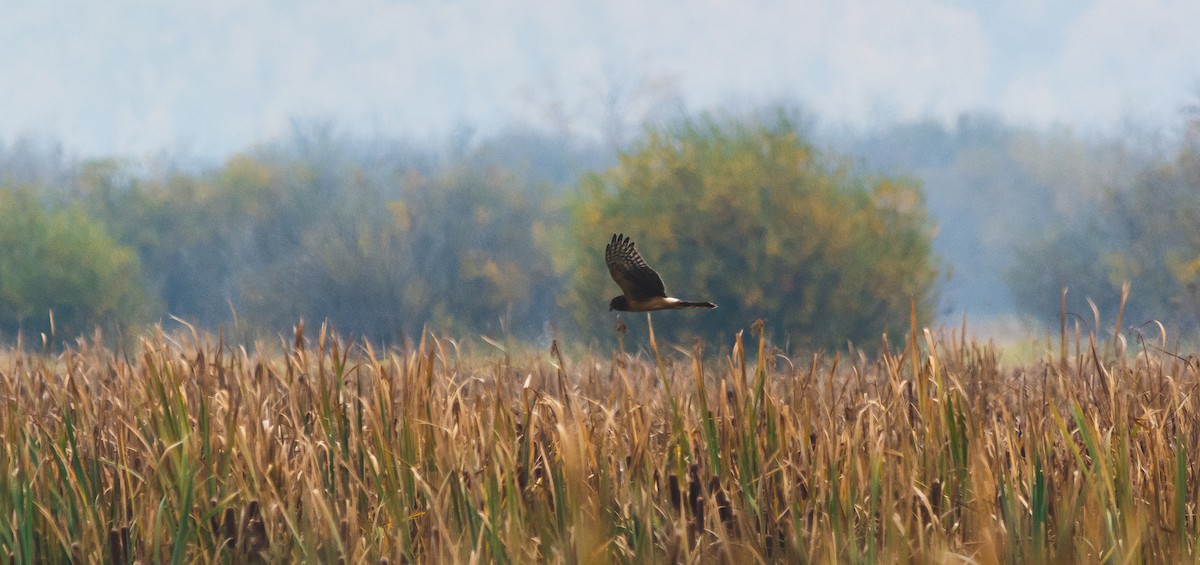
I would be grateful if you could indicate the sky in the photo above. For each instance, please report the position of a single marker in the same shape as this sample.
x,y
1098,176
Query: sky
x,y
134,78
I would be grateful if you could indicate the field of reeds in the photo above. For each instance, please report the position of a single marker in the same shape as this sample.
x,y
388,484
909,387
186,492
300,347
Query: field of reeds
x,y
314,448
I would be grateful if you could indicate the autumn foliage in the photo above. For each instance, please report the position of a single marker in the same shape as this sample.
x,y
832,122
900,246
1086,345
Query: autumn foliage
x,y
751,216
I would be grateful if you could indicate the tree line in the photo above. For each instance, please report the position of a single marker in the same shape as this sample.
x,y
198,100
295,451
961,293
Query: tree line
x,y
828,238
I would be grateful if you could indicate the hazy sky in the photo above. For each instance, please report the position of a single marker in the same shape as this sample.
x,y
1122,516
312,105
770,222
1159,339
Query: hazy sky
x,y
210,78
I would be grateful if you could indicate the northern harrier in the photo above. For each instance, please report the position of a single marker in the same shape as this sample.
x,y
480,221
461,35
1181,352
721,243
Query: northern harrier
x,y
643,288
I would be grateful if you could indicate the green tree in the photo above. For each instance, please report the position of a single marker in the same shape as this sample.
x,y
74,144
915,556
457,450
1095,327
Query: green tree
x,y
748,214
62,261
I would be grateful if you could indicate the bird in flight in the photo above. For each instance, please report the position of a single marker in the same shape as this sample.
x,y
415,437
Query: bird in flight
x,y
642,287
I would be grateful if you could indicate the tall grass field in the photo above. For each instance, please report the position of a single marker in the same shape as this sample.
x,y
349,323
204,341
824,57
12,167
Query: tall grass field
x,y
189,448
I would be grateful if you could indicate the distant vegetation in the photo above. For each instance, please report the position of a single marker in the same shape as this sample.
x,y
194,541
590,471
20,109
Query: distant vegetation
x,y
381,240
828,235
749,214
1145,232
64,262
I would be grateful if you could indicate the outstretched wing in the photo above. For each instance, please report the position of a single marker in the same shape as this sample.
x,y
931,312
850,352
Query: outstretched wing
x,y
636,279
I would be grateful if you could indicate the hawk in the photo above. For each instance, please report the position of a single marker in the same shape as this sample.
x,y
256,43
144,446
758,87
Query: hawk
x,y
642,287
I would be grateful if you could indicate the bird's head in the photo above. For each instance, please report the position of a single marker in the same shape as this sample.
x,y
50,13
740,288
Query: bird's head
x,y
619,303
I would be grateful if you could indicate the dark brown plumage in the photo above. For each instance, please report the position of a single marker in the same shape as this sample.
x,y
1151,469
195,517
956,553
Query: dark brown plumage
x,y
642,288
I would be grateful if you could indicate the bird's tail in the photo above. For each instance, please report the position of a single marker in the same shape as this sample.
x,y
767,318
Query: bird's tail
x,y
694,304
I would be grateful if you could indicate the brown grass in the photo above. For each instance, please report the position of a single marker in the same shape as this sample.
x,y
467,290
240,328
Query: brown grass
x,y
195,450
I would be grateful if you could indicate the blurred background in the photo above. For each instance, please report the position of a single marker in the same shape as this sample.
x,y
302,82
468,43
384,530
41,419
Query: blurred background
x,y
393,166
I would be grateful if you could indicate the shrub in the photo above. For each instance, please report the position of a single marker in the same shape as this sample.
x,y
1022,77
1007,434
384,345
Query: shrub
x,y
748,214
63,262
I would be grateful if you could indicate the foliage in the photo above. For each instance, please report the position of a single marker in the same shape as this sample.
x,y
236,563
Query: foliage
x,y
329,226
185,228
63,264
1145,233
749,215
378,246
324,450
472,246
992,186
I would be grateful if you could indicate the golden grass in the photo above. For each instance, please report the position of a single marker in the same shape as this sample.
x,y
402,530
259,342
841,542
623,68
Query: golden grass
x,y
319,450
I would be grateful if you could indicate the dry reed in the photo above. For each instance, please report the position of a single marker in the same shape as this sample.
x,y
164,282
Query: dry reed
x,y
320,450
